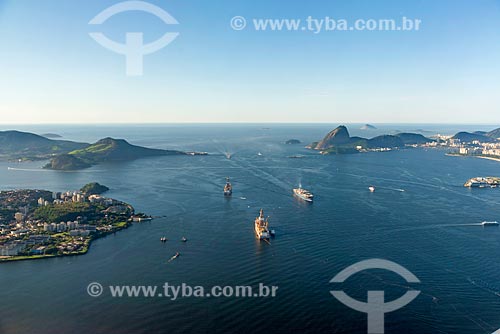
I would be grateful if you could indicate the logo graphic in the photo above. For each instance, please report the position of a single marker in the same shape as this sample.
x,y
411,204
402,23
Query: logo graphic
x,y
134,48
375,307
238,23
95,289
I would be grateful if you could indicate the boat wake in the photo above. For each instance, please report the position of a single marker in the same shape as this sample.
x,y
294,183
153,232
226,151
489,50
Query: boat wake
x,y
392,189
173,257
221,148
52,171
494,289
28,169
416,228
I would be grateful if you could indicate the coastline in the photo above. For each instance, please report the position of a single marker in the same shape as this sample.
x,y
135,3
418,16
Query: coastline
x,y
489,158
85,250
35,235
473,156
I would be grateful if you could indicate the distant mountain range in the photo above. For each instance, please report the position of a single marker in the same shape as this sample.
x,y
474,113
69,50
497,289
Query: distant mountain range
x,y
481,136
24,145
340,141
468,137
68,155
494,134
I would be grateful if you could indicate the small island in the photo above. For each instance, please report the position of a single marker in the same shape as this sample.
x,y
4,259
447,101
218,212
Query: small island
x,y
293,142
37,224
368,127
483,182
93,188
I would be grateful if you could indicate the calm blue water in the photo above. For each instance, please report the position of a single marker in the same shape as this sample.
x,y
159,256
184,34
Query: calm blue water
x,y
428,229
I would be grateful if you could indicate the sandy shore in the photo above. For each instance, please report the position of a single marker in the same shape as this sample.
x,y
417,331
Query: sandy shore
x,y
489,158
475,156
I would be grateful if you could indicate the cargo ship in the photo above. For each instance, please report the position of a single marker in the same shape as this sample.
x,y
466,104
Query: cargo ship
x,y
303,194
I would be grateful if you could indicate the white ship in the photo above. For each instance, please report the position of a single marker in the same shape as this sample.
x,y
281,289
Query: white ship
x,y
303,194
262,227
490,223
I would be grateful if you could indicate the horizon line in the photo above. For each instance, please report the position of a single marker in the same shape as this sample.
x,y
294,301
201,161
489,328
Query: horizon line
x,y
250,123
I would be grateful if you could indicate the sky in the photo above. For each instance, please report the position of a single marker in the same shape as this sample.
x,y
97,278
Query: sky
x,y
52,71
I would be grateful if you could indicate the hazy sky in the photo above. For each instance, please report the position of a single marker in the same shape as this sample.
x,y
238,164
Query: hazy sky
x,y
52,71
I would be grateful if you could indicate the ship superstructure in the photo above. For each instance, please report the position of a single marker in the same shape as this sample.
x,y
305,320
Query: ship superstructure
x,y
262,227
303,194
228,188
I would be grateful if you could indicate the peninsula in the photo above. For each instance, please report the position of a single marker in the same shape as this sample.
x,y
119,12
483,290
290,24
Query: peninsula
x,y
339,141
105,150
38,224
68,155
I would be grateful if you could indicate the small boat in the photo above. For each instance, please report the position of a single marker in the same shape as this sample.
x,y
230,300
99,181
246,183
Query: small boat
x,y
259,154
184,239
176,255
141,219
163,239
490,224
272,233
372,189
